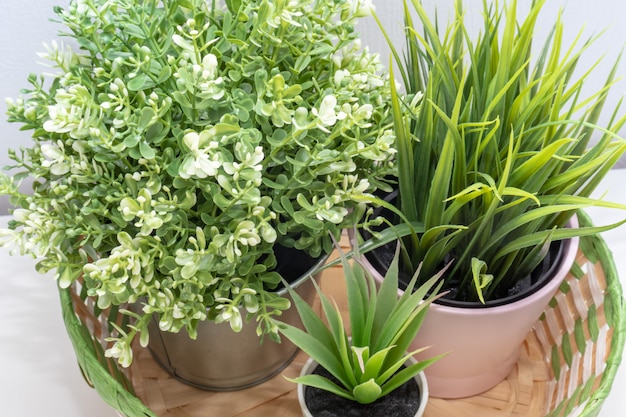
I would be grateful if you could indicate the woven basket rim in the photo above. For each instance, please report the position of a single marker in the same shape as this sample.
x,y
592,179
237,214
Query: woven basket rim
x,y
111,390
114,393
614,292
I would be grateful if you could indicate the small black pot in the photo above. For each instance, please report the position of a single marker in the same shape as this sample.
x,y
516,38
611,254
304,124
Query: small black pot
x,y
292,263
409,400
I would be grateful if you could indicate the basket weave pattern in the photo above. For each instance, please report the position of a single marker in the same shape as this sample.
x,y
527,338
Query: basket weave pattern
x,y
581,334
566,367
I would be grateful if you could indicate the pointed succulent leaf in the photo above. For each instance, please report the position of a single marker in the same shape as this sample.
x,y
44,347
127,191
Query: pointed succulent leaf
x,y
367,392
317,381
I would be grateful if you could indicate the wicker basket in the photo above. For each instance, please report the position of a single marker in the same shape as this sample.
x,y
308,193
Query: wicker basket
x,y
566,368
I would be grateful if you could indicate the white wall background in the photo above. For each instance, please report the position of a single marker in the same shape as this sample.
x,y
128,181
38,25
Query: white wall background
x,y
25,25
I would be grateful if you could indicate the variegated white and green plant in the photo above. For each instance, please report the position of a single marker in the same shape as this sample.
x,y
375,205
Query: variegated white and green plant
x,y
497,144
367,358
177,142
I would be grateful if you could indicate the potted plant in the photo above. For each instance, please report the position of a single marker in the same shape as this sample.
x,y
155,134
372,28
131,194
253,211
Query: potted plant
x,y
185,146
494,158
364,367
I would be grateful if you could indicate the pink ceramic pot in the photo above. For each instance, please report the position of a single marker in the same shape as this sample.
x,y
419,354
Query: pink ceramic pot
x,y
483,344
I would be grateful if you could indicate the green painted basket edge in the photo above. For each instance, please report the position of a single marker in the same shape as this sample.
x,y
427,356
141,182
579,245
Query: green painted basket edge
x,y
615,296
111,390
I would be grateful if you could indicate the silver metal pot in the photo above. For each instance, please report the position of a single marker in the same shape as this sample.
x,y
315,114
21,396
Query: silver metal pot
x,y
223,360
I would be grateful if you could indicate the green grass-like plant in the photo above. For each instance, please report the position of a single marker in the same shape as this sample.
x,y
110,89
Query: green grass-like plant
x,y
382,326
495,149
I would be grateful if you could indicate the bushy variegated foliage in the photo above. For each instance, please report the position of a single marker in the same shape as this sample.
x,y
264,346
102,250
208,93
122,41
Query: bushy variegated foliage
x,y
184,139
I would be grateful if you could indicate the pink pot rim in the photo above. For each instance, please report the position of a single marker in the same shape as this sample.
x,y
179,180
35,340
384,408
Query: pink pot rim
x,y
548,290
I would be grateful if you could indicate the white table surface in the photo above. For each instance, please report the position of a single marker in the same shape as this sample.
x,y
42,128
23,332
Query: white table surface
x,y
39,376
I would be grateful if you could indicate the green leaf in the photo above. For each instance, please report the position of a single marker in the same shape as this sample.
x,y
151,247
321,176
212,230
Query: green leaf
x,y
164,74
323,49
340,339
320,382
404,155
181,99
357,301
315,343
131,141
233,6
367,392
302,63
87,44
400,378
558,234
359,356
144,120
221,201
375,364
138,83
387,298
146,150
304,203
134,30
481,279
